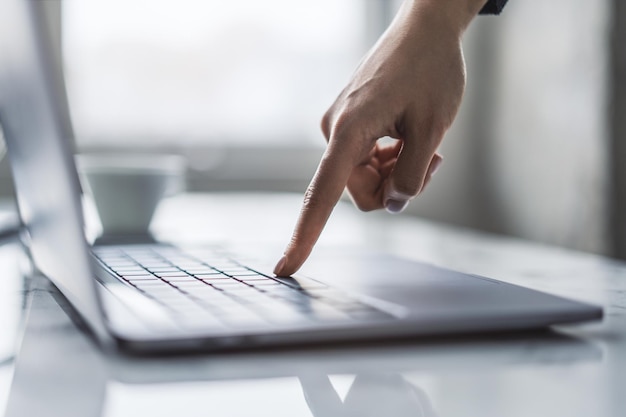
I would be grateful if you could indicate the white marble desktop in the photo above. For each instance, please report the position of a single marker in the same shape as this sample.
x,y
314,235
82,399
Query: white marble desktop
x,y
574,370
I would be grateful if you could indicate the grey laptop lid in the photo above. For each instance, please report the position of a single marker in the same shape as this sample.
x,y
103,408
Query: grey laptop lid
x,y
45,177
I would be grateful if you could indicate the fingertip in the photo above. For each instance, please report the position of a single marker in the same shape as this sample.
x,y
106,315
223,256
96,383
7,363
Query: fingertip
x,y
285,267
278,269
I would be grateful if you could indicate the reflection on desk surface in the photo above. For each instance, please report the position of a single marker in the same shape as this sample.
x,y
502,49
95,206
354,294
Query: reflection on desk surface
x,y
61,372
11,308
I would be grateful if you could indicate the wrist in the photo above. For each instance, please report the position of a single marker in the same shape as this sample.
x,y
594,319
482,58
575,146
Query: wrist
x,y
456,14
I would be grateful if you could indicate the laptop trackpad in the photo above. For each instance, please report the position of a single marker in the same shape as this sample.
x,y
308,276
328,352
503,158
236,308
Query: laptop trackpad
x,y
423,288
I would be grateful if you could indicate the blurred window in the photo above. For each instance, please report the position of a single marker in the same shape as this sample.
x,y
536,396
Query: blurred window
x,y
189,72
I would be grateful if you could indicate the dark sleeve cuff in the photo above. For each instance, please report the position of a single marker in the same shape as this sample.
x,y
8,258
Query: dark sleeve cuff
x,y
493,7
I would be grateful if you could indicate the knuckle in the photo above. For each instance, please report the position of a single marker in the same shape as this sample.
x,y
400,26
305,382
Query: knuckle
x,y
349,135
342,126
312,200
325,124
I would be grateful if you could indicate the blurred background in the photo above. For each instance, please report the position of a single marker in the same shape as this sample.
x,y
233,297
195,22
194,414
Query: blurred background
x,y
239,88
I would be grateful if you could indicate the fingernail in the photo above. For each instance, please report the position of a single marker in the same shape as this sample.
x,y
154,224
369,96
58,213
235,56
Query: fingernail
x,y
280,265
395,201
396,206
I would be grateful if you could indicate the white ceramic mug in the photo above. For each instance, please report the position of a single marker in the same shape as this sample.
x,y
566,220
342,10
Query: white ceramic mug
x,y
127,188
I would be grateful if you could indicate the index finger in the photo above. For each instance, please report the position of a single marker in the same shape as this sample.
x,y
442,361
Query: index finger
x,y
320,198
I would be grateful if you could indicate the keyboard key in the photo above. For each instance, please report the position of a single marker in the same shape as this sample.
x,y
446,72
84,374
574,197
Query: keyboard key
x,y
229,285
155,287
192,285
138,276
171,274
144,280
164,269
183,278
122,263
189,265
129,270
152,284
234,271
216,275
247,278
202,271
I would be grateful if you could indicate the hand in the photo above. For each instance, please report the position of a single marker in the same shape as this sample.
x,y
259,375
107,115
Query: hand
x,y
408,87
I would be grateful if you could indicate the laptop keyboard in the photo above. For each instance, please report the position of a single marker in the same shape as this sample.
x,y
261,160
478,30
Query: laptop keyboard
x,y
210,288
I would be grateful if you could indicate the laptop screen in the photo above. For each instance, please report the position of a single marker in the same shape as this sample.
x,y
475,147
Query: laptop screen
x,y
43,169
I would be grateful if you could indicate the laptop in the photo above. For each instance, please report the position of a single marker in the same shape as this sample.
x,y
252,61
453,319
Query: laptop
x,y
161,298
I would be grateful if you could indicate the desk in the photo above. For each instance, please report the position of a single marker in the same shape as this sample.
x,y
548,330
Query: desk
x,y
574,370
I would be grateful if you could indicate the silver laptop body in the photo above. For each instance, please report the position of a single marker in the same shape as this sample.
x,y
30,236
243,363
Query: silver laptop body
x,y
408,299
